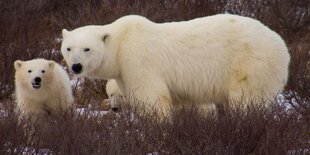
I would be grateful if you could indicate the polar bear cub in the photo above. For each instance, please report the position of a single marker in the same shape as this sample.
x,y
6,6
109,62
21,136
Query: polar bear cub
x,y
206,60
115,94
41,87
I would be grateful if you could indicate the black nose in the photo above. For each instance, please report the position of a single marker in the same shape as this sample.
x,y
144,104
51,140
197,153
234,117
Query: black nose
x,y
77,68
115,109
37,79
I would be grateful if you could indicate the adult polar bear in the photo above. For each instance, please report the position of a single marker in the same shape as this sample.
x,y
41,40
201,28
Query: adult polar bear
x,y
204,60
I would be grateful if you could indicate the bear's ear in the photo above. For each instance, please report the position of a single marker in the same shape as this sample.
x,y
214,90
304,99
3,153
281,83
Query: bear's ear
x,y
51,64
65,33
18,64
106,37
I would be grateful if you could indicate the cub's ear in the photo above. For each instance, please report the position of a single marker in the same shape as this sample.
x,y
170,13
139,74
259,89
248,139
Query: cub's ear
x,y
51,64
65,33
18,64
106,37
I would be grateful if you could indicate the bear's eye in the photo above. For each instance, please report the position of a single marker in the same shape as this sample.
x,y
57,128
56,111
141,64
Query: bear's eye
x,y
43,71
86,49
29,71
68,49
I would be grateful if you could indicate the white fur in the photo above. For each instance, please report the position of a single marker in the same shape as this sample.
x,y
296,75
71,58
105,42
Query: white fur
x,y
114,93
204,60
55,93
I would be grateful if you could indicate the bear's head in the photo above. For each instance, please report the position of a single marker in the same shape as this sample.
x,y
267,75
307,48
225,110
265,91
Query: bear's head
x,y
34,74
87,53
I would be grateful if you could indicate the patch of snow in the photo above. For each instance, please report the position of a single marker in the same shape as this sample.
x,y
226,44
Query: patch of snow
x,y
91,113
58,40
282,101
30,150
75,82
298,151
153,153
3,113
55,52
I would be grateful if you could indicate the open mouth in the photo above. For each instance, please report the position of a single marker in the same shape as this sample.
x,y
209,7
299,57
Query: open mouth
x,y
36,85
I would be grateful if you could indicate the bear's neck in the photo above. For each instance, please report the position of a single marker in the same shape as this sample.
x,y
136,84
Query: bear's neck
x,y
105,73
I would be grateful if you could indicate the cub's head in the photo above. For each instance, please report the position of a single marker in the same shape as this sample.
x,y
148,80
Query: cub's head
x,y
34,74
85,51
115,94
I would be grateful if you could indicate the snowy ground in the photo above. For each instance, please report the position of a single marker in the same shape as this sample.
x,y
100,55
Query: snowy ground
x,y
91,113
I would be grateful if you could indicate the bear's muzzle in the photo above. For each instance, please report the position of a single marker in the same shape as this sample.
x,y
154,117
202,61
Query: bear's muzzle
x,y
36,84
77,68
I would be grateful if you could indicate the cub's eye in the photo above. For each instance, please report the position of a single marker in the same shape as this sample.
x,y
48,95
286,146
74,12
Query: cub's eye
x,y
43,71
86,49
29,71
68,49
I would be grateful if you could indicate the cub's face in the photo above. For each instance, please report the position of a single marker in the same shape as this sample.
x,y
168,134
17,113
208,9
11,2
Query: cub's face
x,y
34,74
116,96
83,51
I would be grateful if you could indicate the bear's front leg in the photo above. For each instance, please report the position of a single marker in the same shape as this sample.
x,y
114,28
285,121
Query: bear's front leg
x,y
154,98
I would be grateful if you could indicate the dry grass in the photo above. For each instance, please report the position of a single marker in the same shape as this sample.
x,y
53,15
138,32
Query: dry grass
x,y
259,131
32,28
